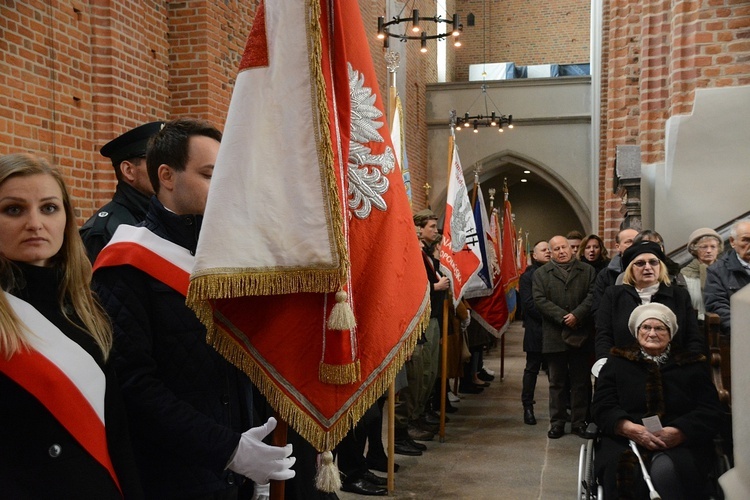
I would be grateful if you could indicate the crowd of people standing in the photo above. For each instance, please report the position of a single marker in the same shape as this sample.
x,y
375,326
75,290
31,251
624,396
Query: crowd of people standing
x,y
167,417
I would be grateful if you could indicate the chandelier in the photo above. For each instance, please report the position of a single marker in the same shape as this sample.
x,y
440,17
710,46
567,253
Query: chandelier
x,y
413,29
488,119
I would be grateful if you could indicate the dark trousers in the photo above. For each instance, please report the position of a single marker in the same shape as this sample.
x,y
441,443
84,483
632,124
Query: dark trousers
x,y
573,363
351,449
530,373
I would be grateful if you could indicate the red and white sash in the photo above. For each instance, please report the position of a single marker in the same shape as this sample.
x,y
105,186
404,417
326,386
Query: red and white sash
x,y
64,378
161,259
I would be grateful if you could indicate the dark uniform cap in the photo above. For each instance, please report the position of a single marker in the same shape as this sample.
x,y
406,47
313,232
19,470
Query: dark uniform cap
x,y
423,216
130,144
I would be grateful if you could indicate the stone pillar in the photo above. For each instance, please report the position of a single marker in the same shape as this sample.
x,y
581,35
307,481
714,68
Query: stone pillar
x,y
628,185
736,482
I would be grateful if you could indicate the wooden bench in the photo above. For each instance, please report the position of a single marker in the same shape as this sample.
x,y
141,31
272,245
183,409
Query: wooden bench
x,y
718,357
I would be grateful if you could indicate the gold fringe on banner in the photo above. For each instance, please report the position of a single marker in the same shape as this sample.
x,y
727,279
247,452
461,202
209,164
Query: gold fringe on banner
x,y
340,374
325,144
297,418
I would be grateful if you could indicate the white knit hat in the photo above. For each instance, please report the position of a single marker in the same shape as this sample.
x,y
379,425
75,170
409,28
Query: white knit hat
x,y
654,310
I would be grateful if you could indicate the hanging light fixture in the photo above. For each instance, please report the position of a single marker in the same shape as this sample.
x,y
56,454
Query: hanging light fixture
x,y
417,29
486,118
492,118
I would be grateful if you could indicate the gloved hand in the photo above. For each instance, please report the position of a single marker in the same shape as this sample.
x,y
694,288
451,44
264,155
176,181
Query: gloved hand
x,y
261,462
465,323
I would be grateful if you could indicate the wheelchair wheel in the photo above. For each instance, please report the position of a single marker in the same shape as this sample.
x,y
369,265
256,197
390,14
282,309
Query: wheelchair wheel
x,y
587,487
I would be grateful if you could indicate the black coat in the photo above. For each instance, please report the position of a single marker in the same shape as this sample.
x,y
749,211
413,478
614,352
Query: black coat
x,y
556,295
723,278
186,404
532,318
128,206
39,458
680,393
620,300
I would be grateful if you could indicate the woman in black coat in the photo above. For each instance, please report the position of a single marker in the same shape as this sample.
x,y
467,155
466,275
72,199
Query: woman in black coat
x,y
645,280
655,378
63,431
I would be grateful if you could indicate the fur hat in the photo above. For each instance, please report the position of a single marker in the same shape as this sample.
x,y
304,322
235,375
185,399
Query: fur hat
x,y
654,310
639,248
421,217
700,233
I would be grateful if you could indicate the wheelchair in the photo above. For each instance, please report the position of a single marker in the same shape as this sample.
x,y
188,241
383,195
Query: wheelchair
x,y
590,489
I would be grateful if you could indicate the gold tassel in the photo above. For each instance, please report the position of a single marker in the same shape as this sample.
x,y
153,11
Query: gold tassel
x,y
327,478
342,316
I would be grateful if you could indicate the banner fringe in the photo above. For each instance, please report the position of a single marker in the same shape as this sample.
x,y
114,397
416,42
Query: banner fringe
x,y
340,374
297,418
235,283
325,144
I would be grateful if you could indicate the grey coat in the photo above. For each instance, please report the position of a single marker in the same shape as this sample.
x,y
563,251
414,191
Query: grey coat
x,y
723,278
555,296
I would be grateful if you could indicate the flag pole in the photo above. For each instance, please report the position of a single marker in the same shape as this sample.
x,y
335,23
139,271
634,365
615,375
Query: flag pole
x,y
444,334
392,60
278,438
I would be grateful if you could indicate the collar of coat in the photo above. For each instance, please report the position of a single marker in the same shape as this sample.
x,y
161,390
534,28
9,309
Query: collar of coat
x,y
654,386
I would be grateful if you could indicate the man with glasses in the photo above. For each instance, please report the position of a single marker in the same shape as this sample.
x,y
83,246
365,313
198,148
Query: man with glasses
x,y
130,201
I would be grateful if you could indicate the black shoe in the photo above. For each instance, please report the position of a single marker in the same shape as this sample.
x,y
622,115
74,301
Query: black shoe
x,y
580,431
362,487
556,432
433,418
469,388
528,416
380,465
449,408
418,434
414,444
483,375
422,424
374,479
327,496
404,447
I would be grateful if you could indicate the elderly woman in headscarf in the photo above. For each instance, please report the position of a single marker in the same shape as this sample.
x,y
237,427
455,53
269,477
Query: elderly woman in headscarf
x,y
646,280
662,398
705,245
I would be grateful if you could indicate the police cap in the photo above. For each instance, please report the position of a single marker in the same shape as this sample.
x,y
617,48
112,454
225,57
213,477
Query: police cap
x,y
131,144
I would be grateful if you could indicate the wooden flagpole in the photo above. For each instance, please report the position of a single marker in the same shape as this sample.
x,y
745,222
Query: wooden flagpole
x,y
278,438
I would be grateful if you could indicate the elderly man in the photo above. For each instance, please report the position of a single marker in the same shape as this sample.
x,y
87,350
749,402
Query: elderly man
x,y
728,274
608,275
562,291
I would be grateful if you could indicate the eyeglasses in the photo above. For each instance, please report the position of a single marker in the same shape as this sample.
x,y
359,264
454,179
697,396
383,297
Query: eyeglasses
x,y
657,329
708,246
650,262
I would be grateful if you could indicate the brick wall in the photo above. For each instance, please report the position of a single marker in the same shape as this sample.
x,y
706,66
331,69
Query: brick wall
x,y
658,53
514,32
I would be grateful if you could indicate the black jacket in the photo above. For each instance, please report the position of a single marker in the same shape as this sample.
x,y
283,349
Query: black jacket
x,y
186,404
723,278
128,206
532,318
39,458
680,392
620,300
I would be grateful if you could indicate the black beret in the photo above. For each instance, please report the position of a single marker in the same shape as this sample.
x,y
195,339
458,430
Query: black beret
x,y
640,248
130,144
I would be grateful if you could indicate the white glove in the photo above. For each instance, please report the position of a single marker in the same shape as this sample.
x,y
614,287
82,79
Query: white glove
x,y
261,492
465,323
261,462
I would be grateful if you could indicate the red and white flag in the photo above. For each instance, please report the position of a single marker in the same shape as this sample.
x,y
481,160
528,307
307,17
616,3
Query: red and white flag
x,y
307,211
460,255
492,312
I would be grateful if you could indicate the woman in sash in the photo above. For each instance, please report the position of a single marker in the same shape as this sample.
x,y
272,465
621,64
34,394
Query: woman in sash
x,y
63,432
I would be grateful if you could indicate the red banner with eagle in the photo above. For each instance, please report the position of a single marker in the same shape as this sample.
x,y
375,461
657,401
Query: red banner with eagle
x,y
308,272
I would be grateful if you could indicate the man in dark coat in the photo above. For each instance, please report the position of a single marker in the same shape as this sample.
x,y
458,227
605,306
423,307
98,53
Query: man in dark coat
x,y
532,336
130,201
728,274
188,408
608,276
562,291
